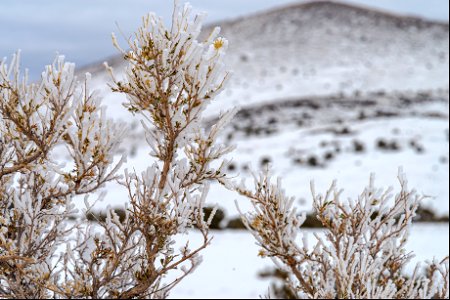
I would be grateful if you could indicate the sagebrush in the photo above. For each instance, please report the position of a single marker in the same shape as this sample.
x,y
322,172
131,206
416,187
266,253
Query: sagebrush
x,y
57,148
361,253
170,79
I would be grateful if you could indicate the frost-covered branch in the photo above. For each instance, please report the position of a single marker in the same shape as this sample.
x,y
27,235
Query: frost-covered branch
x,y
38,121
362,253
170,79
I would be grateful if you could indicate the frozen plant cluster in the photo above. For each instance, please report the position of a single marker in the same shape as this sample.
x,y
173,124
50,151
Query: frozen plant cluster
x,y
49,250
37,190
362,253
171,78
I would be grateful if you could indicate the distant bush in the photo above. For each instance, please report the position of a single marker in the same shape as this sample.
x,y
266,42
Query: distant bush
x,y
313,161
358,146
265,161
387,145
236,224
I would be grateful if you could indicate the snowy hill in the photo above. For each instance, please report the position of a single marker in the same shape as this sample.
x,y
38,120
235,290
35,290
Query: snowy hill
x,y
324,47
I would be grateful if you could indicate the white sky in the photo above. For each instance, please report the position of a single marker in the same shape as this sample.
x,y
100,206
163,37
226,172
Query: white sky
x,y
81,29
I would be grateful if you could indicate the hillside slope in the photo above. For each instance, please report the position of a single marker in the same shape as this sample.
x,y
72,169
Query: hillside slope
x,y
326,47
323,47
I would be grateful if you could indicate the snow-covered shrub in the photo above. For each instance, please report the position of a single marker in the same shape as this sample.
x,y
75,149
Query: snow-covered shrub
x,y
362,252
170,79
36,189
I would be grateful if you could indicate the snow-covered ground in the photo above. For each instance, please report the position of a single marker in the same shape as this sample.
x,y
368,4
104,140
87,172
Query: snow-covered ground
x,y
324,151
